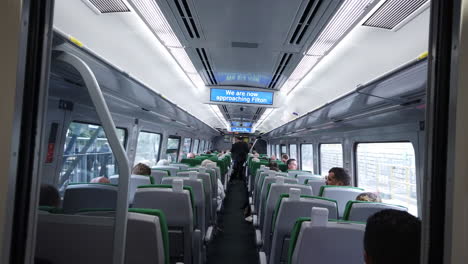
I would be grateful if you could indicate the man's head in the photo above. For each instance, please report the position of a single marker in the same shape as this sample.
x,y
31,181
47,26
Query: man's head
x,y
49,196
141,169
369,197
284,157
190,156
292,164
338,176
100,179
273,166
392,236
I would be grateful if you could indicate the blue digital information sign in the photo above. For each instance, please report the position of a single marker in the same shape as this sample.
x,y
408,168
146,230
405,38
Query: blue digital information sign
x,y
241,96
241,129
247,124
241,124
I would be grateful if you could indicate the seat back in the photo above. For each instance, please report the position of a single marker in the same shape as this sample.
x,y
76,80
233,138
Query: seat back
x,y
159,174
208,188
135,181
316,184
343,243
342,194
289,208
199,197
89,195
264,190
294,173
181,166
172,169
360,210
273,194
302,178
60,236
179,214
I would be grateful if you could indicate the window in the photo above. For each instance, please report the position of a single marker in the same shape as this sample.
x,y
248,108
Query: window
x,y
278,153
293,151
195,146
202,146
284,150
186,149
269,150
307,157
147,150
87,153
389,169
331,155
173,147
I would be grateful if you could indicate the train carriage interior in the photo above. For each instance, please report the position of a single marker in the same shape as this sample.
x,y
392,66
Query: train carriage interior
x,y
203,131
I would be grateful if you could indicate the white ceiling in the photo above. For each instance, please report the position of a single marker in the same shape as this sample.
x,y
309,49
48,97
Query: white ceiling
x,y
125,41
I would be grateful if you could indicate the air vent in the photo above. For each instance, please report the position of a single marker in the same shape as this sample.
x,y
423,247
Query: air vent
x,y
304,22
280,69
187,17
107,6
258,114
226,112
393,12
206,64
247,45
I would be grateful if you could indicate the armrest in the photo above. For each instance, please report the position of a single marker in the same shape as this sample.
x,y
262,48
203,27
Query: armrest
x,y
209,235
255,221
252,208
258,238
262,257
197,245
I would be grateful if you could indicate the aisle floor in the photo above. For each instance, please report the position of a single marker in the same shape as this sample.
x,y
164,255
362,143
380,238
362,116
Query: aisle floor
x,y
235,242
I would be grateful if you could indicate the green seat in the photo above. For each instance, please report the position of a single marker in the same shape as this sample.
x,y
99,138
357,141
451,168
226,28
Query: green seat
x,y
191,162
361,210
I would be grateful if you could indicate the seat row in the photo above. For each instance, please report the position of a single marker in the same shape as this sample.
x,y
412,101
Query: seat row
x,y
280,199
187,199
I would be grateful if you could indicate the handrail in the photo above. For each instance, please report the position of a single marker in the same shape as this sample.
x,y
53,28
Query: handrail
x,y
120,227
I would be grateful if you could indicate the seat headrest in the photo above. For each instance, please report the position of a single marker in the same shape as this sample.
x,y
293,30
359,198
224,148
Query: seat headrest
x,y
319,216
271,173
294,194
178,185
193,175
280,180
202,170
262,167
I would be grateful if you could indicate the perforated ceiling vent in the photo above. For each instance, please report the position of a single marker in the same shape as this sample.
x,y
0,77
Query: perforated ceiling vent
x,y
107,6
393,12
304,22
206,65
280,69
187,17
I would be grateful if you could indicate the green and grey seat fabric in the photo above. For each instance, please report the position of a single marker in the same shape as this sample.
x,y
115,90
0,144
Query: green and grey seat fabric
x,y
60,236
181,166
258,187
254,175
360,210
264,190
213,178
342,194
172,169
274,194
302,178
134,182
288,209
294,173
89,195
178,204
209,188
316,184
159,174
343,243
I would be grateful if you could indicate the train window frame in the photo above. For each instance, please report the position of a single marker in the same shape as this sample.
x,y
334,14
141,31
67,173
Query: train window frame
x,y
202,145
415,161
286,149
178,147
81,122
289,151
320,154
278,152
195,151
159,147
313,154
189,147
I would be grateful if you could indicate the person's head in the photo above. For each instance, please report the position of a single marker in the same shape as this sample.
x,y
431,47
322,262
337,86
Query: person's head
x,y
273,157
163,162
284,157
190,156
141,169
292,164
100,179
392,236
273,166
208,152
49,196
206,162
238,139
338,176
369,197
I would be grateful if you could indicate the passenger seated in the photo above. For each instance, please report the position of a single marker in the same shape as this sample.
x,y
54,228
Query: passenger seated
x,y
273,166
338,176
100,179
392,236
141,169
163,162
273,157
190,156
208,152
369,197
49,196
284,158
292,164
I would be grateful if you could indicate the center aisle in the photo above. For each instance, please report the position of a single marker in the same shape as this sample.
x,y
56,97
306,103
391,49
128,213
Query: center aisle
x,y
235,243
